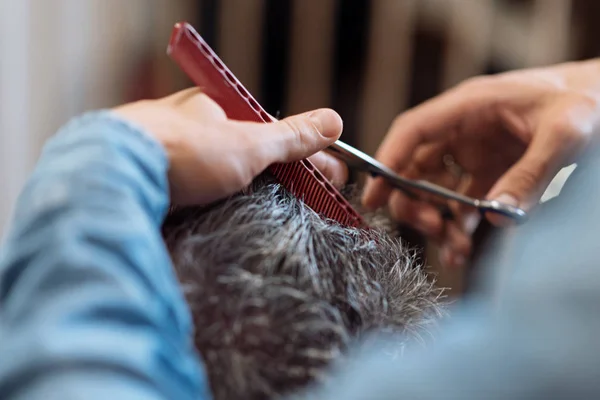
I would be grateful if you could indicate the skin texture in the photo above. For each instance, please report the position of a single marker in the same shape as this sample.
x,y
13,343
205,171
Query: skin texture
x,y
510,134
198,137
278,295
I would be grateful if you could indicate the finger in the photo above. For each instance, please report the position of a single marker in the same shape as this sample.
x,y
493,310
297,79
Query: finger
x,y
333,168
425,123
293,138
437,172
449,255
422,216
457,242
428,122
459,232
377,191
524,183
423,213
427,161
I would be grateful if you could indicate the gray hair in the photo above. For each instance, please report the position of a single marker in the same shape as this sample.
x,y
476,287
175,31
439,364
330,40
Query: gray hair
x,y
278,294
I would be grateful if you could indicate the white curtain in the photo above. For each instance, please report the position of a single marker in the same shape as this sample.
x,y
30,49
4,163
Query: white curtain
x,y
59,58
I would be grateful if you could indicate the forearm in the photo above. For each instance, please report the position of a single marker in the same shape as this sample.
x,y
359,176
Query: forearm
x,y
89,301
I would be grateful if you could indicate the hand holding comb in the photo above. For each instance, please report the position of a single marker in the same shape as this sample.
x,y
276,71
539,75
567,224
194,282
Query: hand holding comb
x,y
301,178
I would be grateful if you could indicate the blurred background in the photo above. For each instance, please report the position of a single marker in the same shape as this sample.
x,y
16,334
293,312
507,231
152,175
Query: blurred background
x,y
367,59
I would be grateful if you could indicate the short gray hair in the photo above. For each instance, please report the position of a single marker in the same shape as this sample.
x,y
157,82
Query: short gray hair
x,y
278,293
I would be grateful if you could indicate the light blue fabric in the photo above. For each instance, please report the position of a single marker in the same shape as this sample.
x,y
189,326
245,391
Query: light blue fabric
x,y
90,307
537,338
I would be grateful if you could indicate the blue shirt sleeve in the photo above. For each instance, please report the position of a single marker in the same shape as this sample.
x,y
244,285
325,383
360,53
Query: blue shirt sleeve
x,y
90,306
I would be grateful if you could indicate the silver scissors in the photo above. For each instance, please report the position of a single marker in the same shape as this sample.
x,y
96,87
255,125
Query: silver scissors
x,y
363,162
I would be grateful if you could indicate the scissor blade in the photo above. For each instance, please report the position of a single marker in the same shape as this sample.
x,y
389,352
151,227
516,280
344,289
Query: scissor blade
x,y
363,162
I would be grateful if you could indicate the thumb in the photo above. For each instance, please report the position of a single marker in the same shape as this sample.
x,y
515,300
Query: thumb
x,y
297,137
525,182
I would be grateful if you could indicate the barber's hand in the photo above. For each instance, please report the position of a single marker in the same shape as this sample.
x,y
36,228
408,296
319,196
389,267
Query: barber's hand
x,y
212,157
508,135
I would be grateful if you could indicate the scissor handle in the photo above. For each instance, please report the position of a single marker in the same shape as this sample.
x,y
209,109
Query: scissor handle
x,y
517,214
366,163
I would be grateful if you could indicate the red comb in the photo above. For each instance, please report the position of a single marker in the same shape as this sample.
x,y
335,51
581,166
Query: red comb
x,y
301,178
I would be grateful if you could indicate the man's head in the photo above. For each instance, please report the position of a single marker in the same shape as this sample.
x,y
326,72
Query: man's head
x,y
277,293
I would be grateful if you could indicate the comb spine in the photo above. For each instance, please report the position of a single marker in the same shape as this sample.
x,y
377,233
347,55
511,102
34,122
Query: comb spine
x,y
207,71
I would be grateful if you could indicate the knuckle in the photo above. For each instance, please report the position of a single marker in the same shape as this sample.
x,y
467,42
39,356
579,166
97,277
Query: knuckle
x,y
566,131
476,83
397,121
200,99
145,103
572,119
400,120
196,101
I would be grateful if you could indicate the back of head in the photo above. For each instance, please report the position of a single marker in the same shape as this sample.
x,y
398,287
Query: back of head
x,y
277,293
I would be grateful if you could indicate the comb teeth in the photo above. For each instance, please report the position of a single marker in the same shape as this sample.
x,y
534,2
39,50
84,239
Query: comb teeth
x,y
301,178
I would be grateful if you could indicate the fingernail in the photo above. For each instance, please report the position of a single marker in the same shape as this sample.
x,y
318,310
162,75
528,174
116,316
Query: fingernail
x,y
449,258
328,122
471,222
458,260
501,220
507,199
445,257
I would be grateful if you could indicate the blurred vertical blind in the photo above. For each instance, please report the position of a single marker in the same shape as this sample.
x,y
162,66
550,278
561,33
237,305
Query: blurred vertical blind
x,y
371,59
368,59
